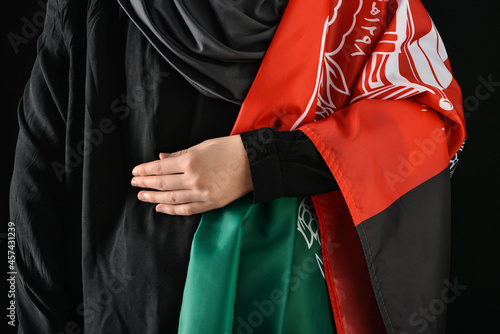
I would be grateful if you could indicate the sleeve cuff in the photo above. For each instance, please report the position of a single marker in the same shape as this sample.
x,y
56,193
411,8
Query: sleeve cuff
x,y
264,163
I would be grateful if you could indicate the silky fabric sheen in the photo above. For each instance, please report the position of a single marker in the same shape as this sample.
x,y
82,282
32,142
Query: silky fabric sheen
x,y
100,101
217,45
250,271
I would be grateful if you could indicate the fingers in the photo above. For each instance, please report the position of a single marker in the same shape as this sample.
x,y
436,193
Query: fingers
x,y
178,153
163,182
214,173
171,155
176,203
169,197
183,209
158,167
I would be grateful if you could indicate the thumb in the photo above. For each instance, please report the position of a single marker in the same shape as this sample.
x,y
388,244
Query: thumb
x,y
164,155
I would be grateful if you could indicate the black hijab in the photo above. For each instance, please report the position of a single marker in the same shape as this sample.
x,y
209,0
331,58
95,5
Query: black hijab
x,y
217,45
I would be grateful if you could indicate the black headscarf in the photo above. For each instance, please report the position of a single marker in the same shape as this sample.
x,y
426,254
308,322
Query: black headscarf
x,y
217,45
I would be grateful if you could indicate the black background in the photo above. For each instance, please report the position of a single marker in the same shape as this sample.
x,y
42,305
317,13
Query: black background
x,y
471,31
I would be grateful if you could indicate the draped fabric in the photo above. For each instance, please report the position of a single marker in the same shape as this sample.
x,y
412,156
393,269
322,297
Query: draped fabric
x,y
255,268
217,45
370,83
90,257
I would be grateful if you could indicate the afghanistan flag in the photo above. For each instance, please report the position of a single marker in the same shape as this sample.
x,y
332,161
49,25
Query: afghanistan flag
x,y
370,84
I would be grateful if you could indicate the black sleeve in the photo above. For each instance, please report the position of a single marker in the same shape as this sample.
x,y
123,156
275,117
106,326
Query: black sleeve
x,y
284,164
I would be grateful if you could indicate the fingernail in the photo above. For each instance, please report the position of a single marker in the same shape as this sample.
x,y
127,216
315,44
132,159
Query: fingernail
x,y
134,182
142,196
135,172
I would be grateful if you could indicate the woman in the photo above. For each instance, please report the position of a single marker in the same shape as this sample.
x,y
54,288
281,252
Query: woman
x,y
117,85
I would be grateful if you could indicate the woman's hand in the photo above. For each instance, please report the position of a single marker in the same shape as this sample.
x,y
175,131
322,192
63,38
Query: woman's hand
x,y
204,177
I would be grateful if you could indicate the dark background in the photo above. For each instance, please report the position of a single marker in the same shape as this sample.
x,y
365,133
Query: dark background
x,y
471,32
